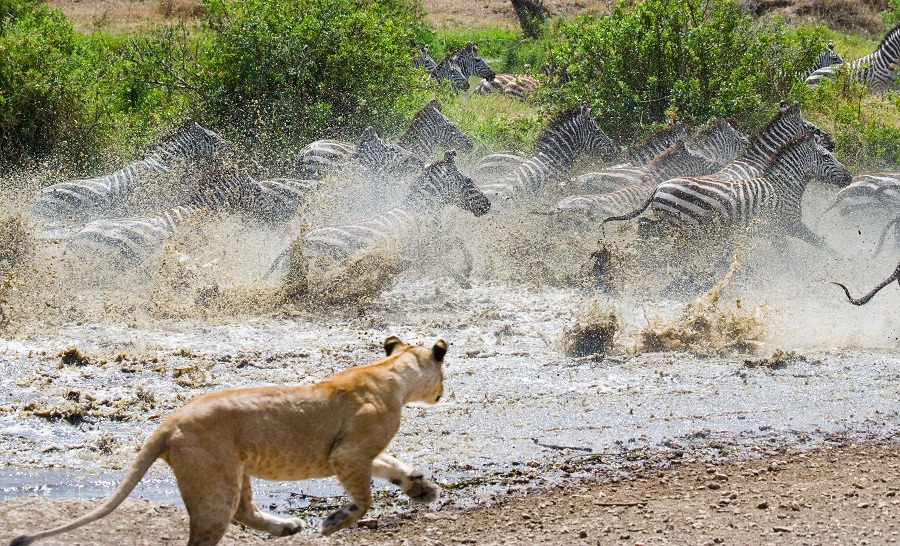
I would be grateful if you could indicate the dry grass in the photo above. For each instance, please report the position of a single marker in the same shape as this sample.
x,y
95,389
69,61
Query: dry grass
x,y
842,14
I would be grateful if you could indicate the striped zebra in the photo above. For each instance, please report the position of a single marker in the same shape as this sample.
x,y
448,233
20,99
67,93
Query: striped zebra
x,y
718,141
423,60
775,195
876,70
381,156
428,129
448,71
643,151
868,193
439,184
82,199
571,133
517,85
224,189
632,186
785,127
497,164
895,276
828,57
470,64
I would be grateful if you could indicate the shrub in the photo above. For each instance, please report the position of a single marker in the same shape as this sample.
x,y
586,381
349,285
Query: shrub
x,y
293,69
688,59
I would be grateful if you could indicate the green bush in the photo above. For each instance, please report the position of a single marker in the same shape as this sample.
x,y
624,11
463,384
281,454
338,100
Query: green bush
x,y
866,126
688,59
297,70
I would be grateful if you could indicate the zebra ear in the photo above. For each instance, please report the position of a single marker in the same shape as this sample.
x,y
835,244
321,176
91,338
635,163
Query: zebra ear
x,y
585,110
434,103
449,155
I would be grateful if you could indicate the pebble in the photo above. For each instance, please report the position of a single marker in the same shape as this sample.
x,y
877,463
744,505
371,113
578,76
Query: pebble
x,y
763,505
779,529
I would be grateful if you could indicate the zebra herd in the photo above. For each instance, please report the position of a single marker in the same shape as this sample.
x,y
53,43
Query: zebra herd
x,y
679,182
876,70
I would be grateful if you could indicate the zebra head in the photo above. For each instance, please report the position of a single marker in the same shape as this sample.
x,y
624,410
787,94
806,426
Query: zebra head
x,y
380,155
447,70
828,169
828,57
470,63
444,132
571,133
423,60
443,183
192,140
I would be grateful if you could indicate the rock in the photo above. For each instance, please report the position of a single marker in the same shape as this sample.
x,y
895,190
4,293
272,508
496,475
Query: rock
x,y
713,485
763,505
371,523
780,529
582,534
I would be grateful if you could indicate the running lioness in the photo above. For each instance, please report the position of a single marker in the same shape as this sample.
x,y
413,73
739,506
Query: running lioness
x,y
339,426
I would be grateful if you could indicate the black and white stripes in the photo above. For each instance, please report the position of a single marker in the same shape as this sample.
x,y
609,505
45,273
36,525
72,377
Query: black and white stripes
x,y
440,184
570,134
82,199
876,70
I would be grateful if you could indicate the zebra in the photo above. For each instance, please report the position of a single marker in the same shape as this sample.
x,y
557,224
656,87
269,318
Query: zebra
x,y
517,85
875,70
828,57
224,189
423,59
718,141
571,133
867,192
787,124
643,151
895,276
429,128
633,185
373,153
447,70
470,64
83,199
380,156
776,194
440,183
498,164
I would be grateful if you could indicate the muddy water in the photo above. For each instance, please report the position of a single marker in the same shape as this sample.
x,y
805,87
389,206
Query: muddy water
x,y
150,338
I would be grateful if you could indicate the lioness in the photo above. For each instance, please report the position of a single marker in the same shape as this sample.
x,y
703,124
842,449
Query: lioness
x,y
339,426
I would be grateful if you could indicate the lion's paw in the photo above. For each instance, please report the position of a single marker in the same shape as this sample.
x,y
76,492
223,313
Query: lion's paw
x,y
339,519
292,527
422,490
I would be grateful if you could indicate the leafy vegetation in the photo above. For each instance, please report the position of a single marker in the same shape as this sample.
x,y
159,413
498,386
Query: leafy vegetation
x,y
692,60
276,74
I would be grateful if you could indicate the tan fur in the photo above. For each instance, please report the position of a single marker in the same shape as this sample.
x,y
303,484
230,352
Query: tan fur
x,y
338,427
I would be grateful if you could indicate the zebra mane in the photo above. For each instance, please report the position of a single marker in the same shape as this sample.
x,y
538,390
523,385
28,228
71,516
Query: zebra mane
x,y
889,36
547,134
668,132
786,147
783,110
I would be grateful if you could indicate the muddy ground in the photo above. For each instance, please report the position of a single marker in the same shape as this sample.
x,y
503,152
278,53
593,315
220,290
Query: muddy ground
x,y
847,495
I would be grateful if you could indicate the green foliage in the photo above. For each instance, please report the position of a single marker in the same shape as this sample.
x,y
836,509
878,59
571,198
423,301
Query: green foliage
x,y
891,16
505,50
866,126
297,69
689,59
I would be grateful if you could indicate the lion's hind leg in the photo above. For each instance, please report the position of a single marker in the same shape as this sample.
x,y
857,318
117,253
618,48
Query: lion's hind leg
x,y
210,488
409,480
250,515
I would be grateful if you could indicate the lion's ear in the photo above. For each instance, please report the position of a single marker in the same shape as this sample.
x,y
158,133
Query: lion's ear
x,y
439,350
391,344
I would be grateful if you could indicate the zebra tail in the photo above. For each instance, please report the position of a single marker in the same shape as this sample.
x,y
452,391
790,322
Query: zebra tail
x,y
633,214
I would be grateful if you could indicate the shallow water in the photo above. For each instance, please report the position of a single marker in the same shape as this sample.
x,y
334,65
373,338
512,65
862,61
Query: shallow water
x,y
513,398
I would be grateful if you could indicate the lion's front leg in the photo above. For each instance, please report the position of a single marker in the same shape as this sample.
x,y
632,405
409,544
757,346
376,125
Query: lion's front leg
x,y
410,481
355,475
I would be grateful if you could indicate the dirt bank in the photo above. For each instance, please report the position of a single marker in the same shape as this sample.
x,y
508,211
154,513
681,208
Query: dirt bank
x,y
845,495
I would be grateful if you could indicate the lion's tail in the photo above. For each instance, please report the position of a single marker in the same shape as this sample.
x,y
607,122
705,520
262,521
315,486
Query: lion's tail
x,y
145,459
